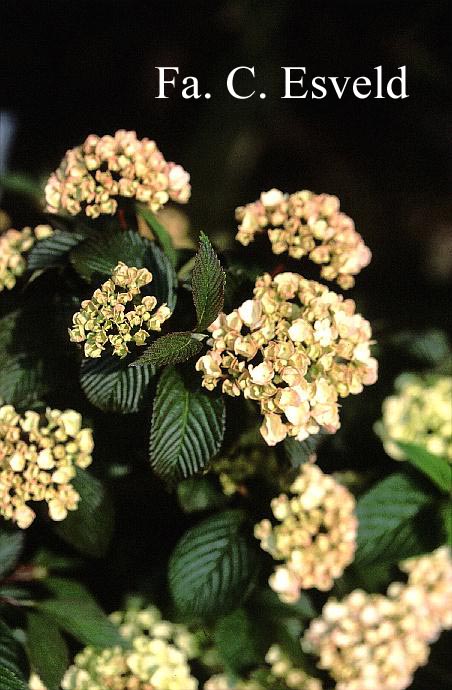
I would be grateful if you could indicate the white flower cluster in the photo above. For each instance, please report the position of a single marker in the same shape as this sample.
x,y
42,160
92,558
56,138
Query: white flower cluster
x,y
157,658
316,536
418,413
376,642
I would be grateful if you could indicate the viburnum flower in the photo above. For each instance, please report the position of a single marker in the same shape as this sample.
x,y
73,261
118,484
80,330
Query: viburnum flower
x,y
433,573
294,348
315,537
35,683
38,459
376,642
280,674
419,413
117,315
307,224
91,176
157,657
14,245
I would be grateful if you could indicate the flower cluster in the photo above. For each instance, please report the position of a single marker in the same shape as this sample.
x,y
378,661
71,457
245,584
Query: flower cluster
x,y
281,675
433,574
35,683
295,348
104,319
283,669
419,413
90,176
316,537
157,657
307,224
38,460
14,244
376,642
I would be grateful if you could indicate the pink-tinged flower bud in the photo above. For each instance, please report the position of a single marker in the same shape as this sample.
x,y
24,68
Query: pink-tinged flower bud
x,y
376,642
315,537
306,224
295,348
91,176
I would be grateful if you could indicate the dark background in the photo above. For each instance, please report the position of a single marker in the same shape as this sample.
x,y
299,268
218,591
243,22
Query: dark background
x,y
79,67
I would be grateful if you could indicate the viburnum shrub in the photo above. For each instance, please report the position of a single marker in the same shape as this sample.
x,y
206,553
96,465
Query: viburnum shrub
x,y
187,440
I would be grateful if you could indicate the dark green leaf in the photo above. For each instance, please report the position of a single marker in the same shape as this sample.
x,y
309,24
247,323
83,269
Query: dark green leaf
x,y
236,642
208,281
164,279
22,382
161,233
386,515
299,452
11,544
212,566
20,183
89,528
111,385
47,650
437,469
198,493
170,349
53,251
56,562
12,654
9,680
187,426
428,347
273,608
74,610
446,515
98,255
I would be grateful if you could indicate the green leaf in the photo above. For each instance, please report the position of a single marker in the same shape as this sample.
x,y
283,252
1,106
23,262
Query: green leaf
x,y
97,256
53,251
187,426
170,349
446,516
89,528
299,452
75,611
12,654
208,282
437,469
112,386
47,649
388,531
270,605
161,232
198,493
212,567
430,346
236,642
11,544
164,279
22,382
54,562
20,183
9,680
